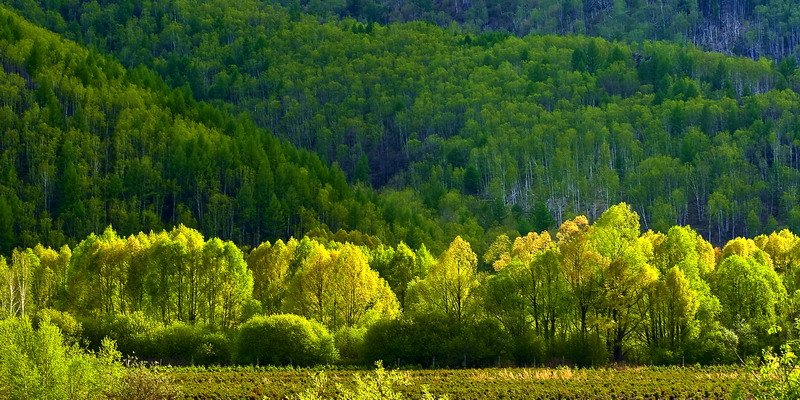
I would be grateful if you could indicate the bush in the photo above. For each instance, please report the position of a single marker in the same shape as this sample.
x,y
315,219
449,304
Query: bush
x,y
130,331
590,351
715,345
424,339
430,339
482,344
39,364
529,349
70,328
191,344
177,343
350,342
284,339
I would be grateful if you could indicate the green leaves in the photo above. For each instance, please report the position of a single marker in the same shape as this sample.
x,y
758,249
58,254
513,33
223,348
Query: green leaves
x,y
38,364
284,339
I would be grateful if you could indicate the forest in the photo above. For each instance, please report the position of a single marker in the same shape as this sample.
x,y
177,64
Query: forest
x,y
752,28
409,131
208,183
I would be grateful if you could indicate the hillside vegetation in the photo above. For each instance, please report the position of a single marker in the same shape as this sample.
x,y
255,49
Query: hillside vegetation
x,y
529,126
752,28
213,182
86,143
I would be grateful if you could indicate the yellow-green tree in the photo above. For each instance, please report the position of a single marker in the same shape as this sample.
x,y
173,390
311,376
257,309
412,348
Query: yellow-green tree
x,y
338,288
628,278
581,266
450,285
270,266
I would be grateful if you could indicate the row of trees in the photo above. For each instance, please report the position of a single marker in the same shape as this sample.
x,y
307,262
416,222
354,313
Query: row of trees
x,y
481,128
662,297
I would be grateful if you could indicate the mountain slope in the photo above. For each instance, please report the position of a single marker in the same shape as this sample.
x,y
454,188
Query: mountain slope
x,y
567,125
86,143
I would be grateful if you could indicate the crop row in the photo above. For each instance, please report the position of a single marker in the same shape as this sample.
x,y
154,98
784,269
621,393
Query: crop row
x,y
468,384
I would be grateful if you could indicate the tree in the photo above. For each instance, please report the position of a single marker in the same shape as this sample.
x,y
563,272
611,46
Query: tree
x,y
628,278
542,217
7,238
676,305
97,274
752,299
448,288
499,253
38,364
270,267
225,283
581,266
338,288
406,267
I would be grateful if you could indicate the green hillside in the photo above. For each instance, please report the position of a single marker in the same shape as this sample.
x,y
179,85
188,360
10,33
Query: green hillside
x,y
86,143
232,185
529,126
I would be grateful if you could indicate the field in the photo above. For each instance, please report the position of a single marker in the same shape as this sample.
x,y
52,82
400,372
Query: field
x,y
496,383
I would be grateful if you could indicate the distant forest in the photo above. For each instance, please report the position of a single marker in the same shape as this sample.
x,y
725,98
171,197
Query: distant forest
x,y
752,28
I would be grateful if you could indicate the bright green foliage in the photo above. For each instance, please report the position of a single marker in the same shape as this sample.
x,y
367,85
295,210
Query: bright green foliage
x,y
270,267
338,288
38,364
175,275
284,339
627,295
778,374
449,286
628,278
752,299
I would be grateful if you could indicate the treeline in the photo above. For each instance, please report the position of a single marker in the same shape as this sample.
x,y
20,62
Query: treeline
x,y
589,294
756,28
534,128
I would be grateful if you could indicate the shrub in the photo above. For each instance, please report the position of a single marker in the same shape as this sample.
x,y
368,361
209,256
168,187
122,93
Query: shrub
x,y
70,328
39,364
529,349
284,339
350,342
483,343
424,339
177,343
590,351
778,375
378,384
130,331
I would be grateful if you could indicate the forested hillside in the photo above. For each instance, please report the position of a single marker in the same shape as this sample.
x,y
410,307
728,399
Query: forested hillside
x,y
215,182
86,143
755,28
534,128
